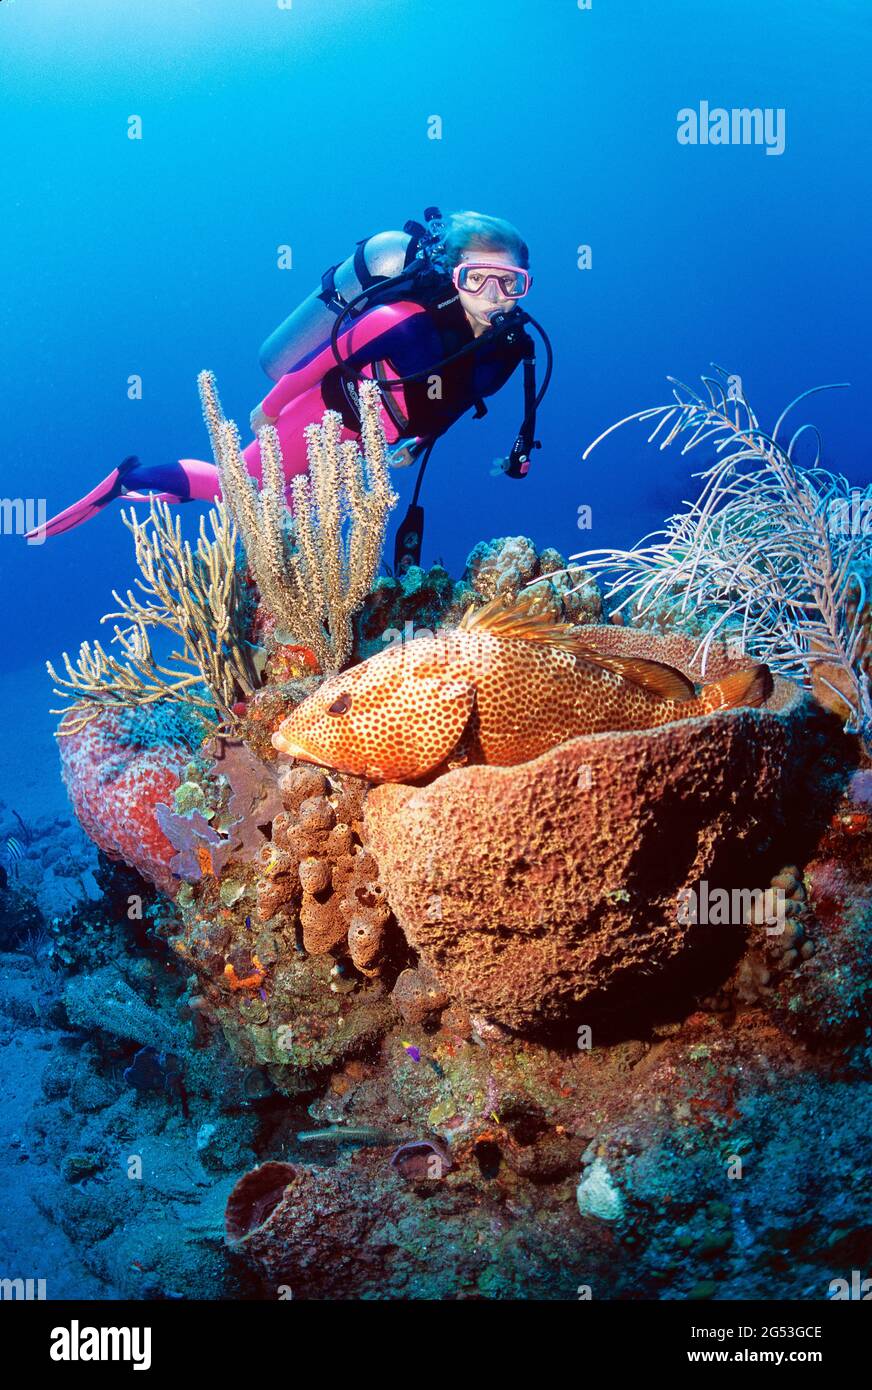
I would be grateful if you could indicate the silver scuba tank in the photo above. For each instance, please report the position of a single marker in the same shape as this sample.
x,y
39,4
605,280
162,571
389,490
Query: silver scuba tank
x,y
307,330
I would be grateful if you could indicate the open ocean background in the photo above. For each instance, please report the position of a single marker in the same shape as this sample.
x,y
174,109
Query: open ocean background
x,y
308,126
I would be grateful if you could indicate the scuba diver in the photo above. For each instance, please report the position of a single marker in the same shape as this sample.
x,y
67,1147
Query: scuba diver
x,y
431,313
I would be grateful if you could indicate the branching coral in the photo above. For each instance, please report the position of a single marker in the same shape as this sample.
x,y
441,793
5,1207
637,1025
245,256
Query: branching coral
x,y
780,550
197,596
103,1001
314,569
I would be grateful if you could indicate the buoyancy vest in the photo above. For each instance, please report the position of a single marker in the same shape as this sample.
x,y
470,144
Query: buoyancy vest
x,y
433,399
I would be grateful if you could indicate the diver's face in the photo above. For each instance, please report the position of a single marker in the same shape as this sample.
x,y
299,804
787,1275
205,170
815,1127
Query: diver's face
x,y
480,308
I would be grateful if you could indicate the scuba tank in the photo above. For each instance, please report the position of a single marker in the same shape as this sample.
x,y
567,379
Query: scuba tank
x,y
375,260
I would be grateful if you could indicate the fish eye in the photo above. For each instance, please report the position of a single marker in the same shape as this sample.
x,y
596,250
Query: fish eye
x,y
340,706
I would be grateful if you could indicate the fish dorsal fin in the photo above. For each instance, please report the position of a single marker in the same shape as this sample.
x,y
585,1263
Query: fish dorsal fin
x,y
508,618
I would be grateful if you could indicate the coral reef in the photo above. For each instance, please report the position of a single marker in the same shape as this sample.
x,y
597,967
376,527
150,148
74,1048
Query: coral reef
x,y
402,607
255,797
313,587
527,890
277,903
457,1040
659,1166
109,1172
418,995
281,961
366,1229
201,850
511,563
53,864
222,812
104,1001
720,1157
815,977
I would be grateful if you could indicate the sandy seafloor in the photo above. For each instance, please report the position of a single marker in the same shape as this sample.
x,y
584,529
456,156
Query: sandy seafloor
x,y
30,783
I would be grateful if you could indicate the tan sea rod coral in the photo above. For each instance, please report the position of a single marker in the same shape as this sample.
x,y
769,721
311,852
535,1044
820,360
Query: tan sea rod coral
x,y
315,568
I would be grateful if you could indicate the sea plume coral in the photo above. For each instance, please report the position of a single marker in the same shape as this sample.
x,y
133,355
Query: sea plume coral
x,y
776,554
314,569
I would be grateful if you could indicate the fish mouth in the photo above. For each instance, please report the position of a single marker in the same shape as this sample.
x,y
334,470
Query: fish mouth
x,y
290,748
304,754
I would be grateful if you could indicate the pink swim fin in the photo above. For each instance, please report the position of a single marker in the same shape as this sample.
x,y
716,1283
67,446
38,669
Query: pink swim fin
x,y
180,481
111,487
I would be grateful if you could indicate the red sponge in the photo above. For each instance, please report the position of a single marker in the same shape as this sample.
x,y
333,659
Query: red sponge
x,y
115,784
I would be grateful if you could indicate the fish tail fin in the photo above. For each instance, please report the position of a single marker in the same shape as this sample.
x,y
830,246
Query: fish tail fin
x,y
752,686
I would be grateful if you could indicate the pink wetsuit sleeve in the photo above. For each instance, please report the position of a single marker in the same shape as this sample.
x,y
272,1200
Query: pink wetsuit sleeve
x,y
362,333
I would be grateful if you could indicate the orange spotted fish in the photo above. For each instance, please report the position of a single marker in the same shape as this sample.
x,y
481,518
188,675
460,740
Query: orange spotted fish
x,y
502,687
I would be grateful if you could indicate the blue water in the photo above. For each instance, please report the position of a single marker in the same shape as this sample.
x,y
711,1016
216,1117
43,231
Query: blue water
x,y
308,126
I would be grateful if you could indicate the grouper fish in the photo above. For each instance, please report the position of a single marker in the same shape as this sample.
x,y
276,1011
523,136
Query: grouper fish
x,y
500,688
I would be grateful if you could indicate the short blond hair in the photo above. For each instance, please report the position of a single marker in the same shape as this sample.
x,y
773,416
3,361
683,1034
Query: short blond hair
x,y
476,231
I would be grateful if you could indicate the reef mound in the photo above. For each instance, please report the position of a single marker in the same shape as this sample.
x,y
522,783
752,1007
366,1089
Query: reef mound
x,y
528,890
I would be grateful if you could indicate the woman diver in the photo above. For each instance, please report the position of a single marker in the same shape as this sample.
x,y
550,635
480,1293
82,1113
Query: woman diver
x,y
431,313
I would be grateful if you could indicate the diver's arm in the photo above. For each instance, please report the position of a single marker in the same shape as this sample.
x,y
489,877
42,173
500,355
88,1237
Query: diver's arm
x,y
259,418
364,333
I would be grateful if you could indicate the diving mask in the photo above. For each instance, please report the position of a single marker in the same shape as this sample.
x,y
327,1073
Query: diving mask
x,y
472,276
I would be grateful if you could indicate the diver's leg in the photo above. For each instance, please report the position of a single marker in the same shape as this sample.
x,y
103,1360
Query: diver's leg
x,y
302,411
195,480
307,409
184,480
